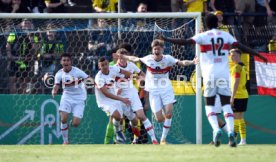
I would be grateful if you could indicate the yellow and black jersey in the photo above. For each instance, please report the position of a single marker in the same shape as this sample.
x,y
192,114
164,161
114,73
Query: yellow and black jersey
x,y
238,71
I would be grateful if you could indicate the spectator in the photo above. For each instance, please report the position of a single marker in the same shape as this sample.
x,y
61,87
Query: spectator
x,y
262,7
177,6
55,6
196,5
19,7
5,6
101,40
226,6
49,57
272,44
21,48
271,9
245,6
105,5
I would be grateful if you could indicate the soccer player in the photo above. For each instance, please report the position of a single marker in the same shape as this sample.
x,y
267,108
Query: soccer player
x,y
127,89
239,95
214,46
74,94
157,83
108,101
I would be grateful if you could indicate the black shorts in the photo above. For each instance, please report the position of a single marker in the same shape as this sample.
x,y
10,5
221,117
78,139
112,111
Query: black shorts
x,y
240,105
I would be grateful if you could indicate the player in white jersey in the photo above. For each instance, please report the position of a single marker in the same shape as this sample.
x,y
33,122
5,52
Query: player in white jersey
x,y
158,84
71,79
107,99
215,45
127,89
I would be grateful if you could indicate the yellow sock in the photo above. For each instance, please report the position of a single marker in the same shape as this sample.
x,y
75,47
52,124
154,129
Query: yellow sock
x,y
236,125
242,126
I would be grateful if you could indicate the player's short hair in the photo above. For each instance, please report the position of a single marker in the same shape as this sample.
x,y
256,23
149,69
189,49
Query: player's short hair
x,y
66,55
126,46
122,51
157,42
211,21
101,59
236,50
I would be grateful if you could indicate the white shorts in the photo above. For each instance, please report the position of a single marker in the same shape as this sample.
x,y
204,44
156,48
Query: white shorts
x,y
222,87
72,106
160,99
134,98
217,107
111,106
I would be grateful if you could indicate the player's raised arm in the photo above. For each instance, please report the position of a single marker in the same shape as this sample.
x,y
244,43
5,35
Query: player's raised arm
x,y
176,40
188,62
248,50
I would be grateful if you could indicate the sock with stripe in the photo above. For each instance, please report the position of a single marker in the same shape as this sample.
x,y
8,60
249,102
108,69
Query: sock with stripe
x,y
212,118
148,126
229,117
166,127
64,131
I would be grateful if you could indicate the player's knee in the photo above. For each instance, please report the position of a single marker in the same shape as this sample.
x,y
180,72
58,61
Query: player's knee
x,y
210,101
169,115
225,100
64,120
76,124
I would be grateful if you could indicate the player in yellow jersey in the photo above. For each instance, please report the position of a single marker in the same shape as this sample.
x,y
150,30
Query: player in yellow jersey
x,y
239,95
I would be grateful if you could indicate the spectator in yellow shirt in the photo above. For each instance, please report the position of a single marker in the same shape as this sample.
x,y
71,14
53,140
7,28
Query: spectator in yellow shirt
x,y
105,5
196,5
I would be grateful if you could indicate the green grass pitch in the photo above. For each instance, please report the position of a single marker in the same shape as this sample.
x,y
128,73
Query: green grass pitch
x,y
136,153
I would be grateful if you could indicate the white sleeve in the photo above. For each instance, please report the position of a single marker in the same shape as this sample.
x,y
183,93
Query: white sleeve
x,y
135,68
172,60
197,38
58,78
82,74
116,70
145,60
100,82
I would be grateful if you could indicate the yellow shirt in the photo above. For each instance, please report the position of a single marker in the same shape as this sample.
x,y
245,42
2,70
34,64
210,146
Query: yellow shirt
x,y
107,5
238,71
272,46
196,6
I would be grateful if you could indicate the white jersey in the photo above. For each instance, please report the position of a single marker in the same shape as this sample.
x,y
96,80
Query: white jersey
x,y
124,82
157,76
108,81
72,84
214,46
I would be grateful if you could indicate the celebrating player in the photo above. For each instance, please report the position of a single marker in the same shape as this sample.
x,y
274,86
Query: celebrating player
x,y
74,94
157,83
127,89
108,101
214,46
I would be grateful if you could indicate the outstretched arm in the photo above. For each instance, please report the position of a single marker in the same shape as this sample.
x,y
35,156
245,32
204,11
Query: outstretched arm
x,y
249,50
129,58
176,40
188,62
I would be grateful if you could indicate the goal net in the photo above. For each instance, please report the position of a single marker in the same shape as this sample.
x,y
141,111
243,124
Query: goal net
x,y
30,46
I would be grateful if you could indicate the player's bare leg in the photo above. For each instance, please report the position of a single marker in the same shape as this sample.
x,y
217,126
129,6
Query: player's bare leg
x,y
147,124
167,123
64,127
